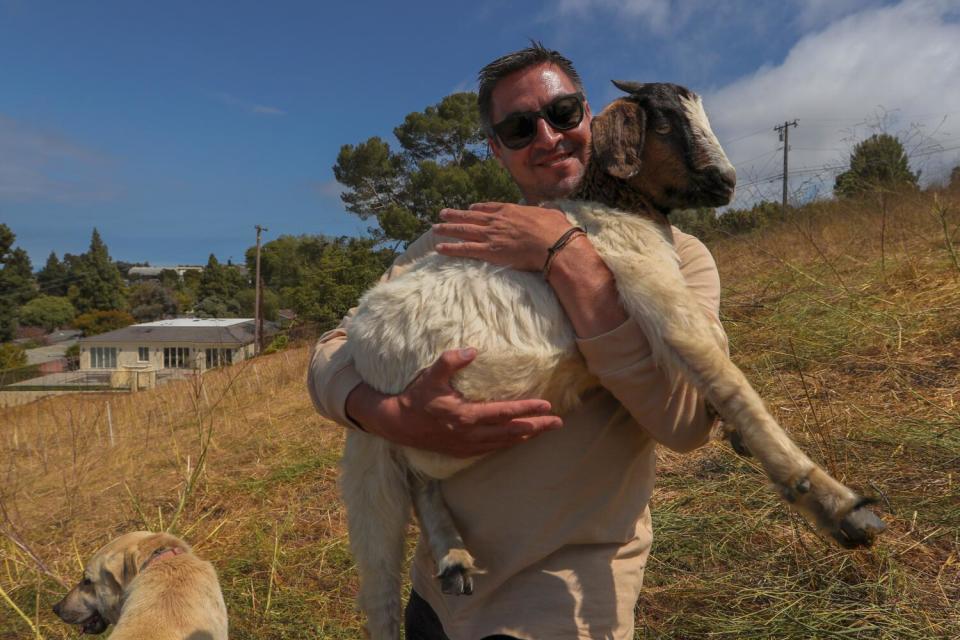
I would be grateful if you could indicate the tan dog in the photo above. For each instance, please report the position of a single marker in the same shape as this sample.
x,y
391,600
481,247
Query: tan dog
x,y
152,587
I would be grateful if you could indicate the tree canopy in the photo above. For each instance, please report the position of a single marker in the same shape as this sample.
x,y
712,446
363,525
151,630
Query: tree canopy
x,y
54,277
442,162
877,163
318,277
218,289
17,285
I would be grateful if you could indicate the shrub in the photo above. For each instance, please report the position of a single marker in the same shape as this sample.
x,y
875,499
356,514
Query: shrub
x,y
49,312
279,343
97,322
12,356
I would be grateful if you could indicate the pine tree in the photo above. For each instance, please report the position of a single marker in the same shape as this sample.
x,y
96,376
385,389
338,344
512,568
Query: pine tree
x,y
98,285
219,287
442,162
878,163
17,285
53,278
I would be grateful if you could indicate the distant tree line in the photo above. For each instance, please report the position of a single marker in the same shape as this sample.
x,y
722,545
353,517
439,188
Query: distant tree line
x,y
93,293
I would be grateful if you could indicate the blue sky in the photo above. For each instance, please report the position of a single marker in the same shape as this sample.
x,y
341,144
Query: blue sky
x,y
175,127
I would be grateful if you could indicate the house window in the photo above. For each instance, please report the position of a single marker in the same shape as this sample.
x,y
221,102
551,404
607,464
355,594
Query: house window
x,y
219,357
144,354
103,357
176,357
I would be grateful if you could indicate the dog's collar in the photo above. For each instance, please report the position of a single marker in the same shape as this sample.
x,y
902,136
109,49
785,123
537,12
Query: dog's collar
x,y
161,554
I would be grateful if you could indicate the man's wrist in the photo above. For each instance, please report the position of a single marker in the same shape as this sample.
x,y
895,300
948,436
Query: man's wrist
x,y
370,410
586,289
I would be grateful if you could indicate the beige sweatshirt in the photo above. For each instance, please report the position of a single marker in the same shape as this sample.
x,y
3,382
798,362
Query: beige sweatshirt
x,y
560,523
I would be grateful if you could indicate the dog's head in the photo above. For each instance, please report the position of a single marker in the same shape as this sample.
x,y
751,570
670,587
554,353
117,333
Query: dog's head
x,y
95,602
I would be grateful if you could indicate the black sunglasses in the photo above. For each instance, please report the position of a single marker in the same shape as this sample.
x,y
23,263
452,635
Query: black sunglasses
x,y
518,130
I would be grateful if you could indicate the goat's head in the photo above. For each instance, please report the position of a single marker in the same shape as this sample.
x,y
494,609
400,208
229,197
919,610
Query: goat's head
x,y
658,140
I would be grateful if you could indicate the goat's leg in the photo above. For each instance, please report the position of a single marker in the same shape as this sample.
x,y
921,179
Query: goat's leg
x,y
373,483
454,563
833,508
655,294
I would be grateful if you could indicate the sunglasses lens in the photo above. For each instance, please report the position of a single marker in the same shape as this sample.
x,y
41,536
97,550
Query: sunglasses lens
x,y
516,131
519,129
564,113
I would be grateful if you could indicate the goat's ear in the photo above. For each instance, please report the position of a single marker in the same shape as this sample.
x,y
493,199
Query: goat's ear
x,y
618,135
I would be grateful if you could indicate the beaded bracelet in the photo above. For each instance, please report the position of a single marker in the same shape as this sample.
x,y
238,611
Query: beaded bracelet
x,y
563,241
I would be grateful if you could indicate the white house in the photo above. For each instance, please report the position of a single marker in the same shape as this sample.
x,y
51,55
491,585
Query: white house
x,y
163,347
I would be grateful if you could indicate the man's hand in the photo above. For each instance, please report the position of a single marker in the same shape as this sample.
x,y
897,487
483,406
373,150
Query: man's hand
x,y
512,235
430,414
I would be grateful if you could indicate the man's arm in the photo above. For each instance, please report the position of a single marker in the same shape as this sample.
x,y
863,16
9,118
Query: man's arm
x,y
614,346
430,414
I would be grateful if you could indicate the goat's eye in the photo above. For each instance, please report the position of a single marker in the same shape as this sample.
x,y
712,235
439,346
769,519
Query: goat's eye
x,y
663,128
86,581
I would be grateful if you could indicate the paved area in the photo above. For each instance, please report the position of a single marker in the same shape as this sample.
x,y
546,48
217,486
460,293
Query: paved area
x,y
46,354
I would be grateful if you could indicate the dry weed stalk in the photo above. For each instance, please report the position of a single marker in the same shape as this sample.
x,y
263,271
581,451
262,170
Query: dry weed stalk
x,y
941,212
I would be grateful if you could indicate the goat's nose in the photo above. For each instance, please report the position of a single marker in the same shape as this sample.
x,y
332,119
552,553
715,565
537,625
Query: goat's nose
x,y
56,607
728,176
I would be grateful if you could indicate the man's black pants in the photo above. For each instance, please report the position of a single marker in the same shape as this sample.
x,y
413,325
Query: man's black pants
x,y
421,623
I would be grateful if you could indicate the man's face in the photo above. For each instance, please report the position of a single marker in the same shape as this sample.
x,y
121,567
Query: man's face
x,y
552,164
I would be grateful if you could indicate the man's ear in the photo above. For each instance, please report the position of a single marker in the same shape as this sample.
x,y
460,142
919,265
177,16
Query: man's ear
x,y
495,149
618,135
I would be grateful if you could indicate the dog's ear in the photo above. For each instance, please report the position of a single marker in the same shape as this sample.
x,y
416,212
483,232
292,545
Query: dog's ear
x,y
108,586
618,135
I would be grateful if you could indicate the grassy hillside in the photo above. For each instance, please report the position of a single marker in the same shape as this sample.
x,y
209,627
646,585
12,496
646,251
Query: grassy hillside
x,y
847,321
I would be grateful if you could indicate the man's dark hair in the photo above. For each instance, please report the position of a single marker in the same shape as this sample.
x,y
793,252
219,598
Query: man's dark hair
x,y
500,68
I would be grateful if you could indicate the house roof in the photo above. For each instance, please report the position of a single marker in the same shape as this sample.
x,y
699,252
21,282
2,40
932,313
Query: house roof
x,y
232,331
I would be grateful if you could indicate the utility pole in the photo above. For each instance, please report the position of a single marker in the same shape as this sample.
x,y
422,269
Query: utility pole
x,y
784,131
257,318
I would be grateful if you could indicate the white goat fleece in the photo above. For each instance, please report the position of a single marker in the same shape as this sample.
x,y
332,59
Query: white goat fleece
x,y
525,342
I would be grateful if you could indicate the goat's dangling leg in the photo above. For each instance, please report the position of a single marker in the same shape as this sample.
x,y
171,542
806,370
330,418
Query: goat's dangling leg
x,y
377,498
832,507
455,565
729,432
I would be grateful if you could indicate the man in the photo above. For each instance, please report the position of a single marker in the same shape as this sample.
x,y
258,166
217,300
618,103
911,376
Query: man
x,y
558,519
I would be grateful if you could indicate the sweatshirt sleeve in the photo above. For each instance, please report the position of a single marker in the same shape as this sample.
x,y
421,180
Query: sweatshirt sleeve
x,y
331,375
671,410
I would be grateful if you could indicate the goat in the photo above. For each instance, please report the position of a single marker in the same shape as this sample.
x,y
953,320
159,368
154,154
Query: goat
x,y
652,151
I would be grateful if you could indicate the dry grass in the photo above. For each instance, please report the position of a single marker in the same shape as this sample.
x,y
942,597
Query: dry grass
x,y
854,341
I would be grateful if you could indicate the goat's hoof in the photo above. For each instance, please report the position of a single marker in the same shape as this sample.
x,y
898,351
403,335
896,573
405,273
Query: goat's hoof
x,y
456,581
455,573
859,528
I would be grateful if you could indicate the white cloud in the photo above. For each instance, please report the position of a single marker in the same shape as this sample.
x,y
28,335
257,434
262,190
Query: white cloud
x,y
43,165
328,188
814,14
263,110
902,60
657,15
245,105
